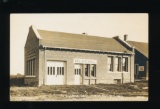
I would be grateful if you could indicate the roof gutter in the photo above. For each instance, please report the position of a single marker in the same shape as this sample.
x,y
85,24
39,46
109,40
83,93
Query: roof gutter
x,y
75,49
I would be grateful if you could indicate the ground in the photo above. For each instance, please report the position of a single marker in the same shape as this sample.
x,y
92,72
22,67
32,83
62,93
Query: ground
x,y
137,91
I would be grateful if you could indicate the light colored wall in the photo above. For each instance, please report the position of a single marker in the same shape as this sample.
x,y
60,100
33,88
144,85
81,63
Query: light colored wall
x,y
102,75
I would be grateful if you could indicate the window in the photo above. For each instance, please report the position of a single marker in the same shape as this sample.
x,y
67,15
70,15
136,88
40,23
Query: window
x,y
90,70
62,70
110,64
93,70
87,70
118,64
57,70
141,68
30,67
79,71
27,68
33,66
53,70
50,70
125,64
117,81
75,71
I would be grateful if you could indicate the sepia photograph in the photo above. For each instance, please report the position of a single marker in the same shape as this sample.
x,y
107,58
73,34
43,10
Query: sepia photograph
x,y
79,57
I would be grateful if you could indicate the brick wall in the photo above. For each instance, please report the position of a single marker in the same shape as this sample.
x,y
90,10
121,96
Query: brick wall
x,y
102,76
31,51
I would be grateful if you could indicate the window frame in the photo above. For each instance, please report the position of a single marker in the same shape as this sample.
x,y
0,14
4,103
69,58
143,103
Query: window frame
x,y
126,64
87,66
31,68
93,70
111,64
118,65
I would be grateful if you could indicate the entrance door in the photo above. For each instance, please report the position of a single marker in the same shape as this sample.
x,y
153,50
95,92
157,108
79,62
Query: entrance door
x,y
55,73
136,71
78,74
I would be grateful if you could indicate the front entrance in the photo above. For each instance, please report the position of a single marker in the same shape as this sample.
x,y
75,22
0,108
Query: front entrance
x,y
78,74
136,71
55,73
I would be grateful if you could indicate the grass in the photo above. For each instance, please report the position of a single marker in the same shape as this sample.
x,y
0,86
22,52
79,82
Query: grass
x,y
110,89
58,92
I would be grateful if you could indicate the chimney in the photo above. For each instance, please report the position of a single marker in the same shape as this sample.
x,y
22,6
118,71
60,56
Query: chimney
x,y
125,37
116,37
84,33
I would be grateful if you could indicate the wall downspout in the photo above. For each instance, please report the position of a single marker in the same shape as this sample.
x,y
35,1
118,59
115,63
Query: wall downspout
x,y
44,68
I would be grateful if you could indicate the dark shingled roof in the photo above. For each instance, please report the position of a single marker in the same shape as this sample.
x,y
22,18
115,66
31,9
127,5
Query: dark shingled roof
x,y
142,47
80,41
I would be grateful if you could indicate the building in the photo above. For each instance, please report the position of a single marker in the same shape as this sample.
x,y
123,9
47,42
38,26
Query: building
x,y
141,57
57,58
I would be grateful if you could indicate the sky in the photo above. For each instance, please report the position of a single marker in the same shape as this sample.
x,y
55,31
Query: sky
x,y
135,25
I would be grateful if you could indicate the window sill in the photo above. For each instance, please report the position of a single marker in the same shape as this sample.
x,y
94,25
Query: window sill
x,y
125,72
86,77
117,72
30,76
92,77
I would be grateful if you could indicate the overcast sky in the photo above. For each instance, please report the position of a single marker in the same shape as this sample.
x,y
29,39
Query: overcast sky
x,y
103,25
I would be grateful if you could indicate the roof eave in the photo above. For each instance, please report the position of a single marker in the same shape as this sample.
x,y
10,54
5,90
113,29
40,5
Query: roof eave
x,y
100,51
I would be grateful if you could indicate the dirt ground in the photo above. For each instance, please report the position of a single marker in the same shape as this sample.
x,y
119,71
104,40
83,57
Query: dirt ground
x,y
77,98
137,91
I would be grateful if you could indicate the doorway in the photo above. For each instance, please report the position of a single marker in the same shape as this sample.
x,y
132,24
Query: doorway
x,y
55,73
136,71
77,74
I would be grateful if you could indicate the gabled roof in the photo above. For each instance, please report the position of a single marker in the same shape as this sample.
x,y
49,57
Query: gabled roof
x,y
142,47
80,41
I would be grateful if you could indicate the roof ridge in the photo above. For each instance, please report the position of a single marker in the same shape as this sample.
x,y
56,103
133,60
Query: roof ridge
x,y
74,33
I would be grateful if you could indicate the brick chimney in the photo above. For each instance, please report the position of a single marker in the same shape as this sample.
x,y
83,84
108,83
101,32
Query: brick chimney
x,y
125,37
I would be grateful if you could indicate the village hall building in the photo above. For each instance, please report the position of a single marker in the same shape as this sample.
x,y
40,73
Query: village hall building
x,y
58,58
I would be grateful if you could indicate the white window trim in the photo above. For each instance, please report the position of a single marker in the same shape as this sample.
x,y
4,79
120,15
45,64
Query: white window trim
x,y
127,65
112,57
114,64
117,64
